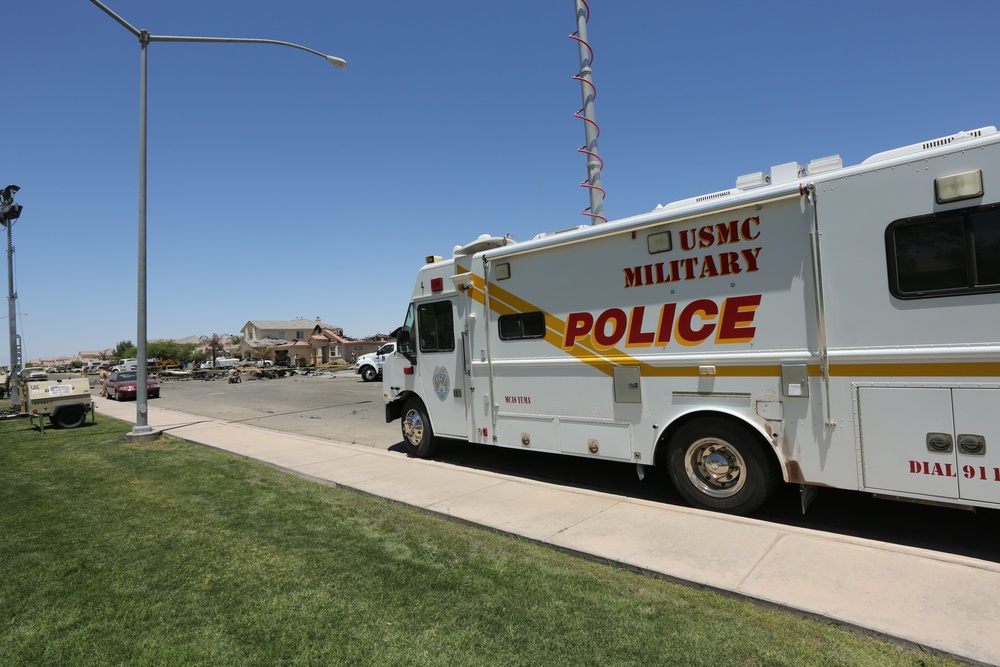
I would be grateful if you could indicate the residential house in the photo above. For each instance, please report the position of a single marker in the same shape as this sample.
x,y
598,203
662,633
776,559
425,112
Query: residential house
x,y
287,342
302,342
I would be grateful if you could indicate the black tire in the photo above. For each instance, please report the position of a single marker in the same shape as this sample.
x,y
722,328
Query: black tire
x,y
368,373
417,432
719,465
69,417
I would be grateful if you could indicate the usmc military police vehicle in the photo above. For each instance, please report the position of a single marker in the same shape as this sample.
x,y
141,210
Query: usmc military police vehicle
x,y
817,325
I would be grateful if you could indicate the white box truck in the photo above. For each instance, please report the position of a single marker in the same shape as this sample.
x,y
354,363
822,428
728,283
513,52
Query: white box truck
x,y
369,366
820,325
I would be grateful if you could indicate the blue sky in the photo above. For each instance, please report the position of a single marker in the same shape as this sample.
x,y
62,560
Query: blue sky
x,y
280,187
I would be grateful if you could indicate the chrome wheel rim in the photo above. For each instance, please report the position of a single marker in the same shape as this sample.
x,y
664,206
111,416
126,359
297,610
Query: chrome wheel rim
x,y
715,467
413,428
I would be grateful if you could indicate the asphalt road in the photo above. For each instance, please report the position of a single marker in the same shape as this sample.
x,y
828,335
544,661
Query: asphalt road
x,y
337,406
341,407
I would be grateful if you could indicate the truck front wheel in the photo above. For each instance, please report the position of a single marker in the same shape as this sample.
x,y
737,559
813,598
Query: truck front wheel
x,y
718,465
417,432
69,417
368,373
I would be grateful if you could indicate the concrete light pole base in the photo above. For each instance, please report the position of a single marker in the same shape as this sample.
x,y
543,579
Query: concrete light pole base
x,y
143,436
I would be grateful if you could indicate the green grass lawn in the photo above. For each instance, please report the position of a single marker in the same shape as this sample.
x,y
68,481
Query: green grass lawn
x,y
174,554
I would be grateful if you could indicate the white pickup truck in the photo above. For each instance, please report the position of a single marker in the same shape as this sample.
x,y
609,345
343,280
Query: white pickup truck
x,y
369,366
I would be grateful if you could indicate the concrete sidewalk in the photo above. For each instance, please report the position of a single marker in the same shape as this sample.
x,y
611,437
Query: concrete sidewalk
x,y
948,603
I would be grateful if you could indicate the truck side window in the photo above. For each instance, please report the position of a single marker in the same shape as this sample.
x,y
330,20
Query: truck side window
x,y
944,254
404,339
436,327
520,326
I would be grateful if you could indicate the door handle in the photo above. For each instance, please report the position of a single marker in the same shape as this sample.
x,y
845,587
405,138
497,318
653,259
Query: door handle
x,y
974,445
939,443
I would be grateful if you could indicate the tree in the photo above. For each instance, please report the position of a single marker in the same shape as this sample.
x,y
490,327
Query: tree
x,y
214,344
169,349
263,351
124,350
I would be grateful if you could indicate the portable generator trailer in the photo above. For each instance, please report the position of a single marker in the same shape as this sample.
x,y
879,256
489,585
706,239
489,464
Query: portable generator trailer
x,y
64,402
821,325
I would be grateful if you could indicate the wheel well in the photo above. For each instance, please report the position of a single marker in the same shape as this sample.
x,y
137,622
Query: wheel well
x,y
56,409
660,453
394,408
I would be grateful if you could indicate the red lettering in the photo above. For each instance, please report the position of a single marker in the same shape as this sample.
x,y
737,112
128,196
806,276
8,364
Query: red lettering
x,y
705,310
633,277
708,269
617,319
689,264
746,227
968,472
636,336
675,271
666,323
687,237
914,466
729,263
577,326
706,237
728,232
750,255
737,316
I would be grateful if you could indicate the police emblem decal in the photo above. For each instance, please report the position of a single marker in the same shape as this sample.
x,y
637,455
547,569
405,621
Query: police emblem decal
x,y
441,382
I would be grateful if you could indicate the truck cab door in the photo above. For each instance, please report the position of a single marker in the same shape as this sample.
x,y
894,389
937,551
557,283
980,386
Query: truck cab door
x,y
440,368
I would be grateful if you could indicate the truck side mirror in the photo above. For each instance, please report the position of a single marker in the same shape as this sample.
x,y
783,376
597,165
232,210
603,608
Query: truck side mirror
x,y
405,347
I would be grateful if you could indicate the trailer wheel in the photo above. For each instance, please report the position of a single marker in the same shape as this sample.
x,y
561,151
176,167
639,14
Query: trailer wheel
x,y
417,432
368,373
69,417
717,465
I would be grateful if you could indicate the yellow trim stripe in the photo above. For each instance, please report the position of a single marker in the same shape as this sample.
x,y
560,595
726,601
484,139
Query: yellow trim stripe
x,y
503,302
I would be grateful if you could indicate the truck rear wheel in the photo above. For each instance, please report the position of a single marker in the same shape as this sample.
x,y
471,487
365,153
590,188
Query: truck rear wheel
x,y
417,432
69,417
718,465
368,373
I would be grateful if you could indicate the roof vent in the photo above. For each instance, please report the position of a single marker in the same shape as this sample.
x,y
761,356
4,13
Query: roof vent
x,y
933,143
824,164
754,180
696,200
483,242
714,195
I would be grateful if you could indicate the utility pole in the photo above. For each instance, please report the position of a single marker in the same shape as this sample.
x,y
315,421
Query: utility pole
x,y
9,212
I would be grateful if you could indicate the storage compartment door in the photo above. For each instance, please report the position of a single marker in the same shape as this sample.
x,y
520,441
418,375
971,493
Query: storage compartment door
x,y
907,440
977,443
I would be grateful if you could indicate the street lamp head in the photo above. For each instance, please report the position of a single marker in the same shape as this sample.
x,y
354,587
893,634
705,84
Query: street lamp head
x,y
11,190
339,63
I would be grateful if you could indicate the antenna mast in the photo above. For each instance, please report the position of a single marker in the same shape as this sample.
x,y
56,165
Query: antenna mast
x,y
591,129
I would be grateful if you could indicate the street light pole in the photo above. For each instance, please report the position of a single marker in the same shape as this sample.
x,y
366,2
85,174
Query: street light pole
x,y
142,430
9,212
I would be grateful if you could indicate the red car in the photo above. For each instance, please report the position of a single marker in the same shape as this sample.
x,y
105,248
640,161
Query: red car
x,y
122,385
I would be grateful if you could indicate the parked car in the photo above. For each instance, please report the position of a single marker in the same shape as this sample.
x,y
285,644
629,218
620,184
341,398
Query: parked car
x,y
34,374
123,385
